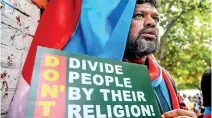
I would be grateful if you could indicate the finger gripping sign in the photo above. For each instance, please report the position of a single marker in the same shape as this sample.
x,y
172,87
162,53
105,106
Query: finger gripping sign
x,y
67,85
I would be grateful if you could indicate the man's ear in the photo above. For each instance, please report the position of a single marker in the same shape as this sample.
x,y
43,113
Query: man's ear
x,y
41,3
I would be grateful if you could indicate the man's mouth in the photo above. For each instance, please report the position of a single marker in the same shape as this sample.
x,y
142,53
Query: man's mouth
x,y
149,34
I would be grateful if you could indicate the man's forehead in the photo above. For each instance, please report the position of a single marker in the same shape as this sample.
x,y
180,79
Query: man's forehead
x,y
145,7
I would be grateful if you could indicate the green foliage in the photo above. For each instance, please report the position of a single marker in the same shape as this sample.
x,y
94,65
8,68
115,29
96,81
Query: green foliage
x,y
186,41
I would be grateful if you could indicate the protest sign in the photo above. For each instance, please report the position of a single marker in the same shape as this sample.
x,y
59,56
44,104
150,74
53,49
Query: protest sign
x,y
67,85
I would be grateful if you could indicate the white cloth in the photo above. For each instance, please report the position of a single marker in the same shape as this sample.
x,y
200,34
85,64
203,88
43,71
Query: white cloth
x,y
17,107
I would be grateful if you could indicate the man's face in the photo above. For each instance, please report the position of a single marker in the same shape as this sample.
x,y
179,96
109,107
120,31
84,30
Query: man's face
x,y
143,36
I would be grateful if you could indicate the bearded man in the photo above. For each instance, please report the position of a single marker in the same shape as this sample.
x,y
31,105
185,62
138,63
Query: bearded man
x,y
143,40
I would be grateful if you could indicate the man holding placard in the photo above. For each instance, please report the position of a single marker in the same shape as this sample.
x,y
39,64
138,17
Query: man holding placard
x,y
143,40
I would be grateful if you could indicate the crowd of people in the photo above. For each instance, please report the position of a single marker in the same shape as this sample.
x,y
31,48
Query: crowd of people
x,y
192,103
200,104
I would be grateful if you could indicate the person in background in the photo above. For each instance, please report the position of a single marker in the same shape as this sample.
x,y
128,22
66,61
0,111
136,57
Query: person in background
x,y
206,92
181,100
197,98
186,100
196,106
201,113
191,104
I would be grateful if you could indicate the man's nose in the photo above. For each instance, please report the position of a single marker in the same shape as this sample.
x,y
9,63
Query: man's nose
x,y
149,21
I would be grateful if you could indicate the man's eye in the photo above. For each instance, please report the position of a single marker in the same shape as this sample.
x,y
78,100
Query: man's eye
x,y
138,16
156,19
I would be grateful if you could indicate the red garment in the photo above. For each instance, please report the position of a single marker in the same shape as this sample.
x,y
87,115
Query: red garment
x,y
154,72
55,28
207,116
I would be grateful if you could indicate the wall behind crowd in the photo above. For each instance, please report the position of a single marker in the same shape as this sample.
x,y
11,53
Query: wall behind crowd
x,y
19,20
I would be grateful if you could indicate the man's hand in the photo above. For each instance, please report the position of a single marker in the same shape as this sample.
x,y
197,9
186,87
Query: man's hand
x,y
179,113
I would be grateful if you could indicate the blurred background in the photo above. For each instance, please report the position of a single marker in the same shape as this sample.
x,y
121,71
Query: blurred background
x,y
186,45
185,50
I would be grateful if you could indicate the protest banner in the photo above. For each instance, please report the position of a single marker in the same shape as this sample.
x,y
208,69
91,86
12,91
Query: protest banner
x,y
67,85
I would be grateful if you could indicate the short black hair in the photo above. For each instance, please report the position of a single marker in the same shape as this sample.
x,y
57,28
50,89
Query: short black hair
x,y
153,2
206,87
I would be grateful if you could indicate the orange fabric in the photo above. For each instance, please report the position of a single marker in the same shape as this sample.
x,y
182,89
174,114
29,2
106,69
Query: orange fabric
x,y
56,26
40,3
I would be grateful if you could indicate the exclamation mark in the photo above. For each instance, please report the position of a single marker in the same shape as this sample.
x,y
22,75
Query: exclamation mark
x,y
151,107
